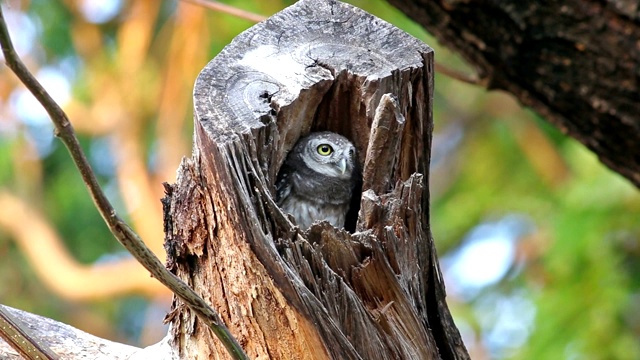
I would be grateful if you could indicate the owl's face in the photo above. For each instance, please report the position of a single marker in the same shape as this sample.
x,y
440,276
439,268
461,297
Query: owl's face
x,y
329,154
317,179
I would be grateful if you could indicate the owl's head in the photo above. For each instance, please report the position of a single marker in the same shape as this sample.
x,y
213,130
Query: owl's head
x,y
329,154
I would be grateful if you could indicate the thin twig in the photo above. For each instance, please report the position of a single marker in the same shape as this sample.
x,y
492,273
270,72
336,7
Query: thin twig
x,y
454,74
228,9
123,233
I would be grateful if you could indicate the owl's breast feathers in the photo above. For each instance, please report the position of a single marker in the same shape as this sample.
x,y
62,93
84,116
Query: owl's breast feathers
x,y
311,196
308,184
307,212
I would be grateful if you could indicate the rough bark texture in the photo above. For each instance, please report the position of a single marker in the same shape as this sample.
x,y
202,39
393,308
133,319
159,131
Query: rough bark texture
x,y
374,293
576,62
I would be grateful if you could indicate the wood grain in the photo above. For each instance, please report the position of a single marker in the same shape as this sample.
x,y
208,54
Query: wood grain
x,y
375,293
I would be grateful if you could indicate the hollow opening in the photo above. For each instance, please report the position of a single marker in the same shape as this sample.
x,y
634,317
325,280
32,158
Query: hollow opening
x,y
341,111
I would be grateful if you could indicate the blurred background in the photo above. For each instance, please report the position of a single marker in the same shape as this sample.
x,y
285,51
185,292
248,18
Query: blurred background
x,y
538,241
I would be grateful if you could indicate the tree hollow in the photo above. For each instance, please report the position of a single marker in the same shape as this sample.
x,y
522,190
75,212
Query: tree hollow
x,y
373,292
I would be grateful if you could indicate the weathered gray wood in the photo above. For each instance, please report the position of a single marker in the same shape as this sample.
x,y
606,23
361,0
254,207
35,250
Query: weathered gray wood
x,y
384,146
66,341
576,62
326,293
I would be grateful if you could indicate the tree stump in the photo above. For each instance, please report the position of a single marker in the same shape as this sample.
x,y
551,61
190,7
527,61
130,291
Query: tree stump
x,y
372,292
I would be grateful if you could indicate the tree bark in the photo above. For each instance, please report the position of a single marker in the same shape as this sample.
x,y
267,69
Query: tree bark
x,y
373,292
576,62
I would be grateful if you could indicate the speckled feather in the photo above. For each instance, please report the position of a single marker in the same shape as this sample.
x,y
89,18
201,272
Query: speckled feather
x,y
311,187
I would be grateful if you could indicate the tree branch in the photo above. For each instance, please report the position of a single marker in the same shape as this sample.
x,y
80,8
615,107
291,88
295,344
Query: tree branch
x,y
454,74
21,339
227,9
575,62
123,233
71,343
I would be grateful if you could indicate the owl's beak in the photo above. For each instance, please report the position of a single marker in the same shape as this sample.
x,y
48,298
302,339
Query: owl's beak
x,y
342,165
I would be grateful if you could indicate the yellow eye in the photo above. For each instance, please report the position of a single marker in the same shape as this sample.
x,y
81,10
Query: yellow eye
x,y
325,149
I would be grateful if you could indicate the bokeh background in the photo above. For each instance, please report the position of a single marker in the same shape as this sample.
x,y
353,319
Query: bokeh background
x,y
539,242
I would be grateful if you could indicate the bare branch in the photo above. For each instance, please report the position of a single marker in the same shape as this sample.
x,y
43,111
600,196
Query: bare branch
x,y
454,74
231,10
20,338
71,343
123,233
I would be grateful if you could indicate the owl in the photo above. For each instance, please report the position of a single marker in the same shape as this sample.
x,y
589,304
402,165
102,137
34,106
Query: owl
x,y
317,179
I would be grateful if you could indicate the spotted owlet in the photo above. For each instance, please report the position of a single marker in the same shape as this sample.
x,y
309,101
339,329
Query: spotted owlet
x,y
317,179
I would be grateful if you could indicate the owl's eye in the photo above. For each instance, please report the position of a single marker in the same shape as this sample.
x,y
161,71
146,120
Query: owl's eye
x,y
325,149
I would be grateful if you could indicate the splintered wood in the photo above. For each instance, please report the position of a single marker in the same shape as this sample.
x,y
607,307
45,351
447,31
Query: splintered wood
x,y
372,291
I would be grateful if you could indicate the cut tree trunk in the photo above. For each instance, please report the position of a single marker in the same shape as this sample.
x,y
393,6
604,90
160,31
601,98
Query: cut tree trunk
x,y
372,292
576,62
